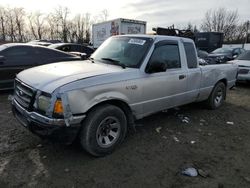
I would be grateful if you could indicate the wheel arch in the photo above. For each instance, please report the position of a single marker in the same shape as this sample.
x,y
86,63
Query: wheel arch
x,y
122,105
224,81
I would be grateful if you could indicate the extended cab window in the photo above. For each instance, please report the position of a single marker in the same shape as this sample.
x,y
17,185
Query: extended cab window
x,y
191,55
167,54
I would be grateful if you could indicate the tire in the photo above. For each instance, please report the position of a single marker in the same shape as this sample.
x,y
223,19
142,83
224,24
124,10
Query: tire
x,y
217,96
103,130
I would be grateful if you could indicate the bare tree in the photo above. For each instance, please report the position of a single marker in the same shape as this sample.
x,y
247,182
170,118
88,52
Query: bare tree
x,y
61,15
19,18
221,20
3,23
36,22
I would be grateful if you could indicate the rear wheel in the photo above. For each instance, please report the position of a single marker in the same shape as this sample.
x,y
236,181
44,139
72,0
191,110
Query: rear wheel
x,y
103,130
217,96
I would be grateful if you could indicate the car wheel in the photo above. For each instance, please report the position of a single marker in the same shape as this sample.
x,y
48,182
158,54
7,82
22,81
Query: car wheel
x,y
217,96
103,130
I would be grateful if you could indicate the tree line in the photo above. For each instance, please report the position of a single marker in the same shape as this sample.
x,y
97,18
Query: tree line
x,y
225,21
18,25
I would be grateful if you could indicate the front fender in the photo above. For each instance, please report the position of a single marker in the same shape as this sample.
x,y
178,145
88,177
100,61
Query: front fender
x,y
81,101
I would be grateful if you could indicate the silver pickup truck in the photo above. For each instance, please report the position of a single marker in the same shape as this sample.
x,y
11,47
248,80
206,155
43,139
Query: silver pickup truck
x,y
127,78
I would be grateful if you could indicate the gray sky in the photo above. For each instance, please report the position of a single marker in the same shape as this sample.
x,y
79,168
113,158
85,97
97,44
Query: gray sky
x,y
156,12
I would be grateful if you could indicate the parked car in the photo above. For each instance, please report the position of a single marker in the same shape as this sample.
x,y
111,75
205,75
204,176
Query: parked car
x,y
16,57
243,61
43,42
222,55
127,78
71,47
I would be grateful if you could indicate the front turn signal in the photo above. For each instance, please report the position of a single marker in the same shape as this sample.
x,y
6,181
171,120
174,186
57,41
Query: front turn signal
x,y
58,108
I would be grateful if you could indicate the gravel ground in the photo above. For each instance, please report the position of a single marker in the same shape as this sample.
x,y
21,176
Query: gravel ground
x,y
216,142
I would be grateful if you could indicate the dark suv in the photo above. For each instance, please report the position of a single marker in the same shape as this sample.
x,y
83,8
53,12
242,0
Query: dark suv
x,y
16,57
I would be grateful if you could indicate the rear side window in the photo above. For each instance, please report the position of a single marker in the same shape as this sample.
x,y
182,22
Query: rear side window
x,y
49,53
191,55
18,51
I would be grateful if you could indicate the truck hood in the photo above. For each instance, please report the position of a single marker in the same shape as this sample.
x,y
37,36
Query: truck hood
x,y
49,77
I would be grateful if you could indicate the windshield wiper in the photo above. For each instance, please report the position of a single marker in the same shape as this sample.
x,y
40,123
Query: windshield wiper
x,y
114,62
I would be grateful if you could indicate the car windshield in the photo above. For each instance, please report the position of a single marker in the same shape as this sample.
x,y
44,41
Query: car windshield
x,y
123,50
222,50
2,47
244,56
54,45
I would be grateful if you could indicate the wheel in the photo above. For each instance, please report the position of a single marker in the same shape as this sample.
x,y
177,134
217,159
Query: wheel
x,y
103,130
217,96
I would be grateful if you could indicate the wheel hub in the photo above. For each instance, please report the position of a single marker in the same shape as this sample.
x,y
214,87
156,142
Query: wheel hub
x,y
108,131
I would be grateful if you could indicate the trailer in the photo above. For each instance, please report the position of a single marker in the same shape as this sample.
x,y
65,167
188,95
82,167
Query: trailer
x,y
120,26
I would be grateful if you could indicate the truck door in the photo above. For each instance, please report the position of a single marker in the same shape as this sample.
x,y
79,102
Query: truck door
x,y
193,74
164,89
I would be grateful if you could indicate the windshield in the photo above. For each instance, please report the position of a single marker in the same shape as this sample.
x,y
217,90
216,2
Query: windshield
x,y
2,47
54,45
222,50
244,56
125,50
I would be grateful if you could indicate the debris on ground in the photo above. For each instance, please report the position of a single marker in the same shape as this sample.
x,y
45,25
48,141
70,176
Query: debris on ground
x,y
193,142
209,134
247,179
176,139
39,146
184,119
164,137
164,111
44,157
202,120
192,172
10,97
158,129
66,170
203,173
230,123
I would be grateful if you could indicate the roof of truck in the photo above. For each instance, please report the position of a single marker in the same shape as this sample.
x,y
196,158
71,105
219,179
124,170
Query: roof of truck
x,y
159,37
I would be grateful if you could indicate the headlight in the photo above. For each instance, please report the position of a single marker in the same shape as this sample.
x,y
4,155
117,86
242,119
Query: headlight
x,y
220,59
43,103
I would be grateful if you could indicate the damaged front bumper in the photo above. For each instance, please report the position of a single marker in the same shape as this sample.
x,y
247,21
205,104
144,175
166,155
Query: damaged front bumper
x,y
43,126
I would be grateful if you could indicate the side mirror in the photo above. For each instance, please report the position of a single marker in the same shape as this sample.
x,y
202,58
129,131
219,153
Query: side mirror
x,y
156,67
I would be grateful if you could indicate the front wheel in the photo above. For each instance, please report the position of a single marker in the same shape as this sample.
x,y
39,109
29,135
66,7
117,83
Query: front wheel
x,y
217,96
103,130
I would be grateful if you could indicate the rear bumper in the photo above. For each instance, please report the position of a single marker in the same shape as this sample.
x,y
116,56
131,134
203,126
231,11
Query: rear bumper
x,y
243,77
43,126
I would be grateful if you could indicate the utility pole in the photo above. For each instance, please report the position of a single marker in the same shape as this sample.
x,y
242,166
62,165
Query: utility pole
x,y
243,45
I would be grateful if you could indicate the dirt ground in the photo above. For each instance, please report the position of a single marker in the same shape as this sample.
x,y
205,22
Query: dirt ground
x,y
217,142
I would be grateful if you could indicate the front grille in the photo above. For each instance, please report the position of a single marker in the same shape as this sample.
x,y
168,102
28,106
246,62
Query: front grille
x,y
24,94
243,71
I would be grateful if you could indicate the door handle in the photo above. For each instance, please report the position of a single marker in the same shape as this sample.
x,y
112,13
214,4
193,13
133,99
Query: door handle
x,y
182,76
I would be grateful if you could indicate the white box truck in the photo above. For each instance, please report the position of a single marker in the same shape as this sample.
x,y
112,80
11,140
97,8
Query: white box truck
x,y
120,26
